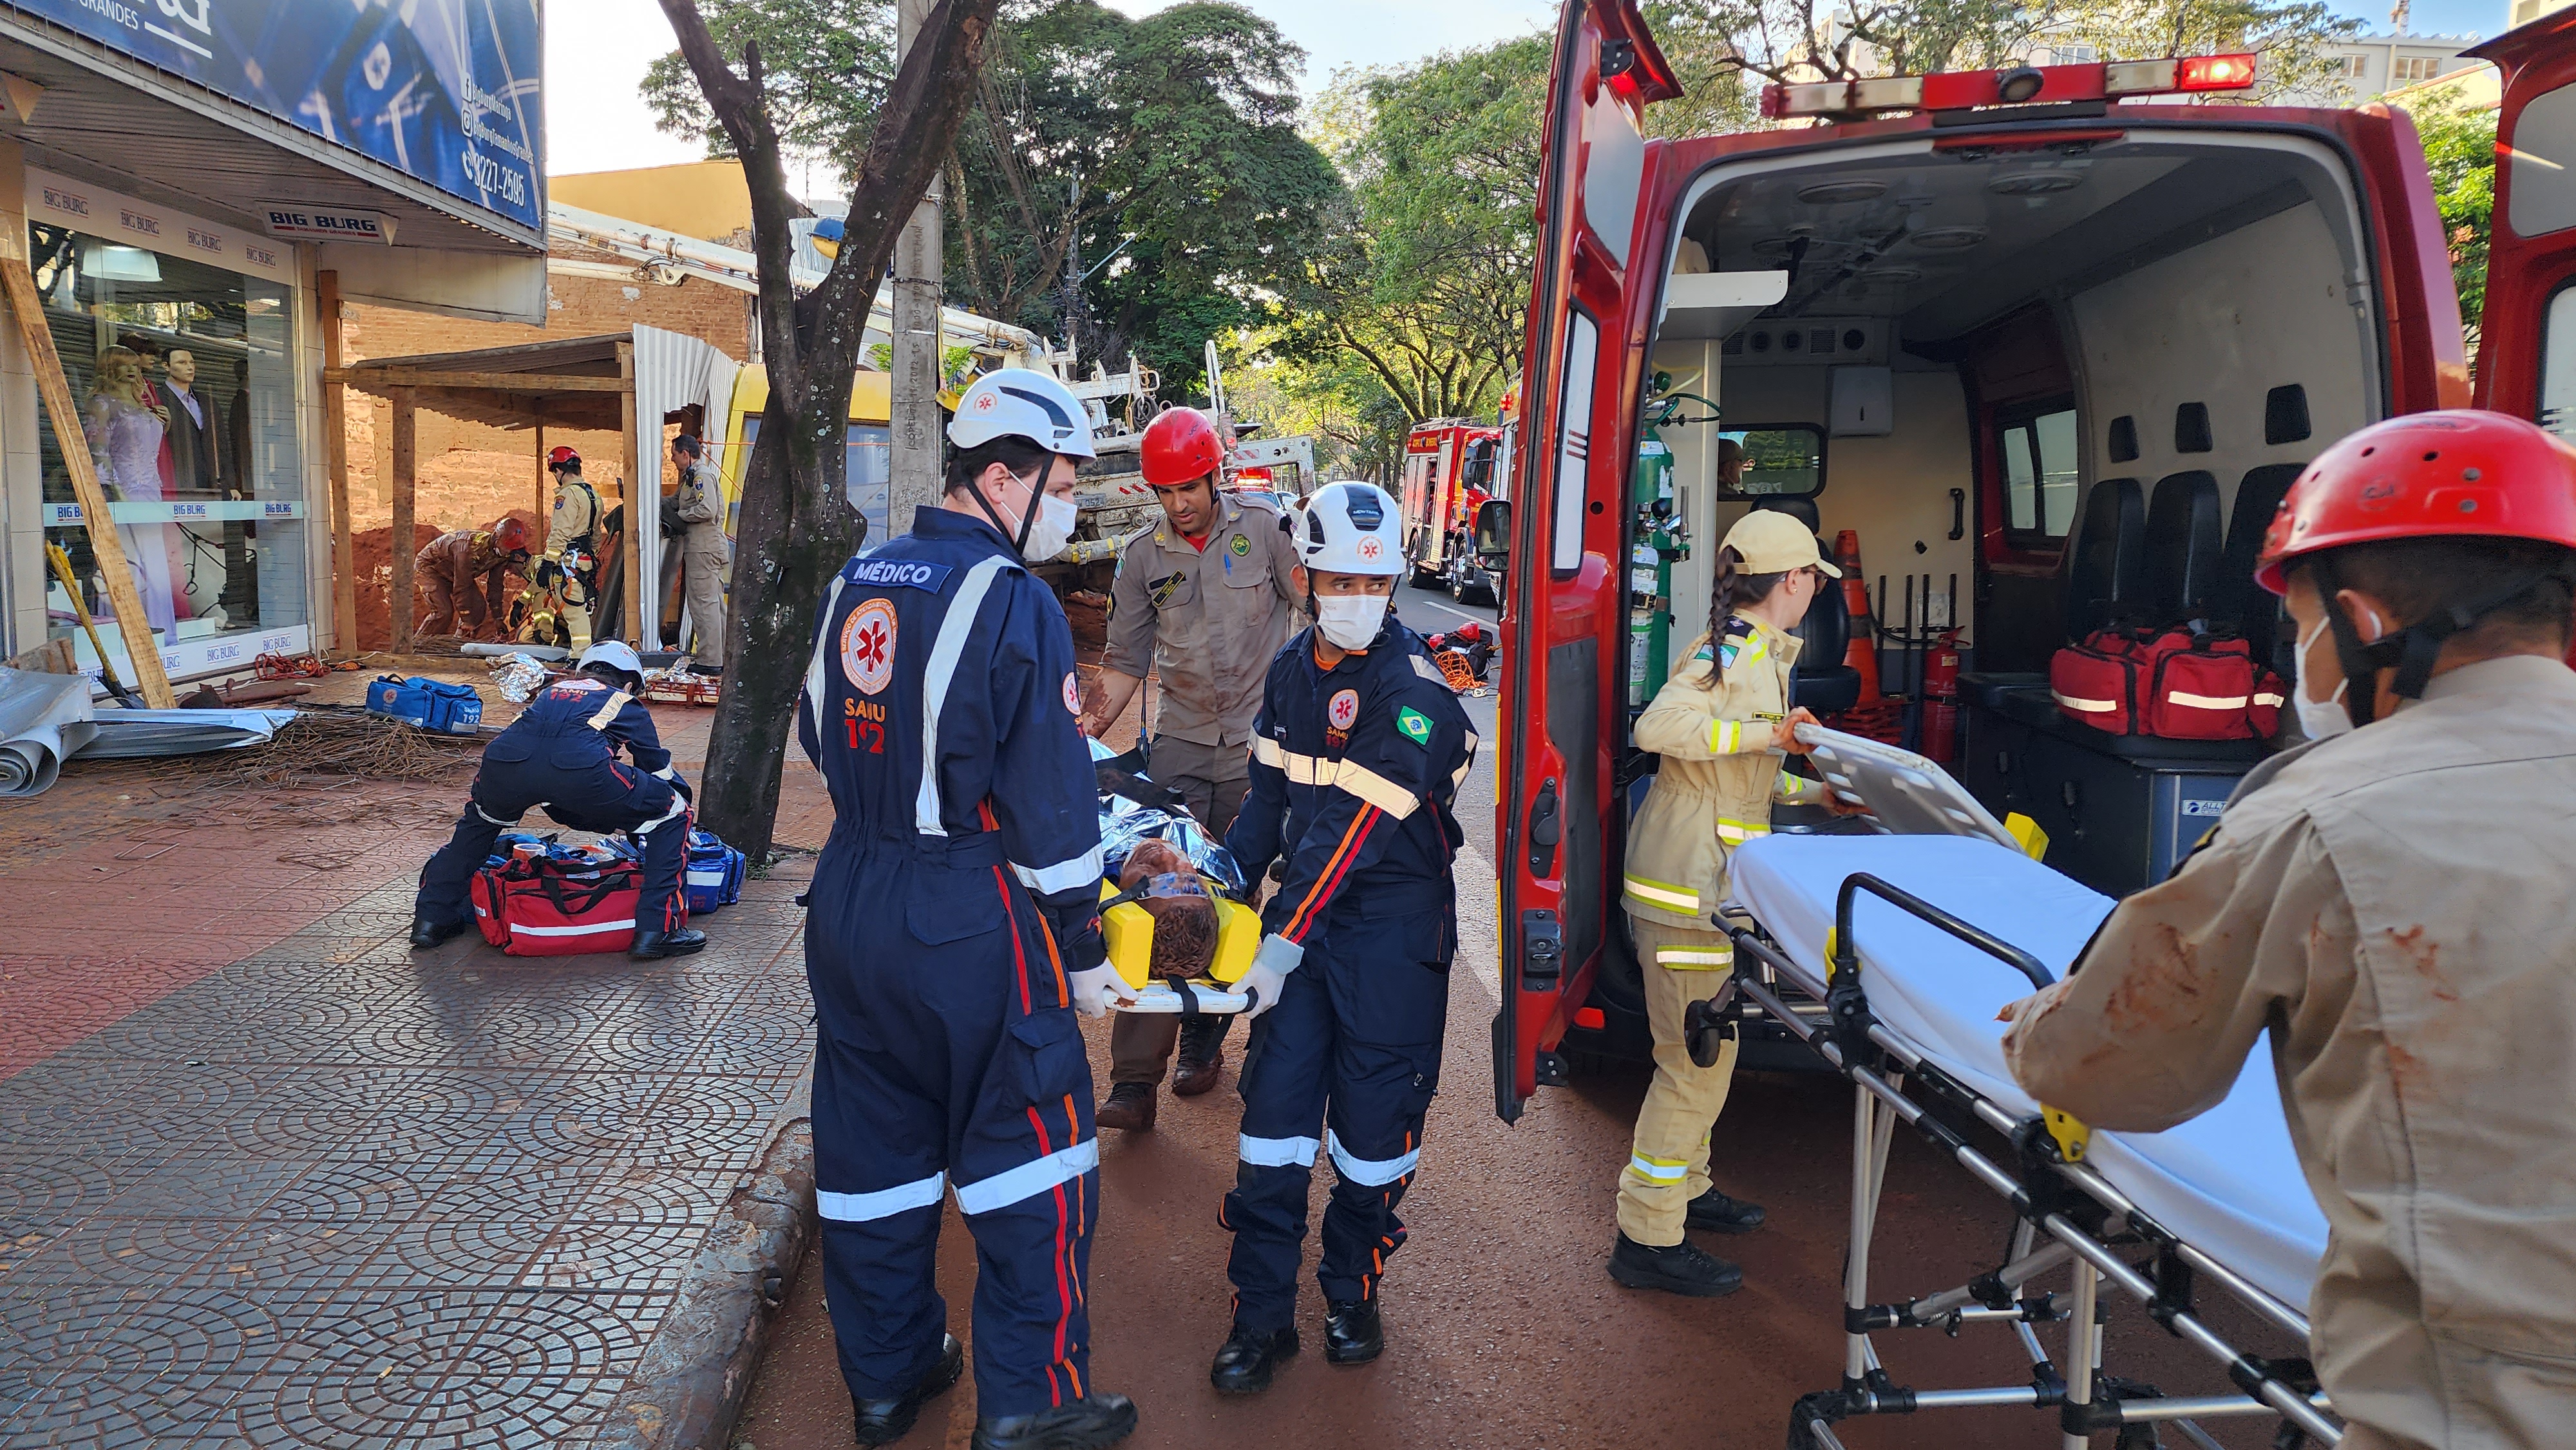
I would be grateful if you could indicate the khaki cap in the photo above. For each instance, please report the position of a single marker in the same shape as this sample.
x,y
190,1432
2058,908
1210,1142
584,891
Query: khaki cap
x,y
1775,543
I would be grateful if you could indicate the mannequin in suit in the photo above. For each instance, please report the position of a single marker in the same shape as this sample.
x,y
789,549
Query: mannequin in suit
x,y
197,453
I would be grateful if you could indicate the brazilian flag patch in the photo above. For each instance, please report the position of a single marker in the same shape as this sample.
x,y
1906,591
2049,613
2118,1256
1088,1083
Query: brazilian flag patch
x,y
1415,725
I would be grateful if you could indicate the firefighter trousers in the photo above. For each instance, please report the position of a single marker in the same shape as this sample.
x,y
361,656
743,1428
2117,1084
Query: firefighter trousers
x,y
1668,1161
947,1061
1353,1048
607,797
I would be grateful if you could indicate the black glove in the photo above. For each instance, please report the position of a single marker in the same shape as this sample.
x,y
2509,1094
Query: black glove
x,y
672,524
1074,917
548,575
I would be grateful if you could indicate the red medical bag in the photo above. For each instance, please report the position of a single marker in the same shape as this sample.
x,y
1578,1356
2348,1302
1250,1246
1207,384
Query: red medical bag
x,y
2096,682
538,907
2171,684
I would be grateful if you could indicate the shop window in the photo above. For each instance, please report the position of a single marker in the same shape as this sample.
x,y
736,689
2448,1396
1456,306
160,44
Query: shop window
x,y
1783,462
2037,447
184,373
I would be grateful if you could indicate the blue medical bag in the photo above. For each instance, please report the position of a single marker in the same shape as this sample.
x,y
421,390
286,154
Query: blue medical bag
x,y
714,875
427,703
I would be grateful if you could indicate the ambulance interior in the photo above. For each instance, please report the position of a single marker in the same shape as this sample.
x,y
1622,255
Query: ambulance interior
x,y
2043,388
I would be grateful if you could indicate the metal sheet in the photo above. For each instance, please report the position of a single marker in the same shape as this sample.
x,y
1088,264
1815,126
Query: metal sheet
x,y
43,718
136,734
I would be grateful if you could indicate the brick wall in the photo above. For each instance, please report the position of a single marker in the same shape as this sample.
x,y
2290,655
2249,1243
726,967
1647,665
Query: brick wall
x,y
470,473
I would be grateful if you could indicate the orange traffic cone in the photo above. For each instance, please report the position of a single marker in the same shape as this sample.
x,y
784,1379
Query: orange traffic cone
x,y
1862,652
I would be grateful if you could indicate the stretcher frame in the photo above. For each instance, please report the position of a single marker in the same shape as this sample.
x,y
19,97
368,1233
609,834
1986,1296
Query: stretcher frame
x,y
2068,1214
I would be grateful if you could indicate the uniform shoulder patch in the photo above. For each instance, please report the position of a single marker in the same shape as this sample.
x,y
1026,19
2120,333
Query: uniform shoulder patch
x,y
1160,591
1740,642
867,645
1415,725
1241,547
899,573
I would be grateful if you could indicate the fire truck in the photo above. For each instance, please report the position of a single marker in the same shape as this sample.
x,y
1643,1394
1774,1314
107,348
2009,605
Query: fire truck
x,y
2047,338
1453,468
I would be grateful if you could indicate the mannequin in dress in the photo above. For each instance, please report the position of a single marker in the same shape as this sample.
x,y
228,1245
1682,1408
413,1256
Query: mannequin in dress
x,y
125,428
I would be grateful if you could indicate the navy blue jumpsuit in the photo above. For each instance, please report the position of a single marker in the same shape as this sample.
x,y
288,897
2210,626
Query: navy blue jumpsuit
x,y
940,705
561,753
1353,773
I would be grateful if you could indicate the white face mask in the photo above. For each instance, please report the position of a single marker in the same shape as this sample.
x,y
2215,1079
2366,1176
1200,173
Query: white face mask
x,y
1350,621
2318,719
1050,531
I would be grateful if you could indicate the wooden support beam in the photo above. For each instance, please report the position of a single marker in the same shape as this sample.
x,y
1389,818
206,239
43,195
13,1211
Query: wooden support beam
x,y
335,425
28,313
406,464
638,498
385,380
544,504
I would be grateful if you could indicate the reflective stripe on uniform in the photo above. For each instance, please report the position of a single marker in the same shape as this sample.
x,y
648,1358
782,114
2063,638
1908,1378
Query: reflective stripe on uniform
x,y
487,815
823,645
884,1203
1663,895
1369,1172
1429,671
608,713
1347,775
1736,833
1082,870
953,629
1029,1179
1723,735
1795,785
1693,959
1659,1169
1276,1152
1458,777
2089,707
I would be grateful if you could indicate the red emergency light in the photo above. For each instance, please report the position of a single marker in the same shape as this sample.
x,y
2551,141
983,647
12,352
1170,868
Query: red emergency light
x,y
2010,86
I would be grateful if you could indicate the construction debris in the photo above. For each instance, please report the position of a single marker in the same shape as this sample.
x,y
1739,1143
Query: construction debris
x,y
344,743
43,717
133,734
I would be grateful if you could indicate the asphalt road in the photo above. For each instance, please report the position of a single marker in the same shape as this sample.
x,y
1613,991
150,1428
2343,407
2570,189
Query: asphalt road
x,y
1503,1328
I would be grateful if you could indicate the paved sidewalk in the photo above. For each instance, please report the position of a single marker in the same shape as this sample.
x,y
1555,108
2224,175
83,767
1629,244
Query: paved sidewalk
x,y
269,1178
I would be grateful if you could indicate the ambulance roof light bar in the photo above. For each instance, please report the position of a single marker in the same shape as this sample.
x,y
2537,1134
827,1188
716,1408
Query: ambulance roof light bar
x,y
2012,85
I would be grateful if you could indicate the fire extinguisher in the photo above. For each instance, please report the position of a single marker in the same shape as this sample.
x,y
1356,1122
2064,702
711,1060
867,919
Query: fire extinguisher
x,y
1941,697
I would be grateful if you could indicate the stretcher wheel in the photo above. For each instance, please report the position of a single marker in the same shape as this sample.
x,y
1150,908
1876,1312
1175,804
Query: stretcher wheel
x,y
1705,1028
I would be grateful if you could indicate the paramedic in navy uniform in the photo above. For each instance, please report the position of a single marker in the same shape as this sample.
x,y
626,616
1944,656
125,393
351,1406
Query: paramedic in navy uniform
x,y
561,753
1356,756
954,929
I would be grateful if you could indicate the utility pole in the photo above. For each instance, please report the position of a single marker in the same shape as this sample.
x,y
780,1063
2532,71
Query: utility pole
x,y
1073,271
917,451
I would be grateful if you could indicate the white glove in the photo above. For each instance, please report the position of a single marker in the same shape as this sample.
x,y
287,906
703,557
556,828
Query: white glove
x,y
1097,990
1271,964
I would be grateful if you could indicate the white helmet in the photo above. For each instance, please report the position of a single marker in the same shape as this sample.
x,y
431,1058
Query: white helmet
x,y
618,655
1350,528
1021,403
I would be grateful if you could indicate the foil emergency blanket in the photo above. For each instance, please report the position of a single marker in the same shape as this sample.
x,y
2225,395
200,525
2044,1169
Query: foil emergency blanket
x,y
1124,823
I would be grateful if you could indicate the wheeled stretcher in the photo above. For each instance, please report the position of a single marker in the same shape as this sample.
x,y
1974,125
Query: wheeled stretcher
x,y
1890,957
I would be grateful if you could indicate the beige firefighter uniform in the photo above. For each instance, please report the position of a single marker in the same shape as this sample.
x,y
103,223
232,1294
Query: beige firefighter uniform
x,y
2393,904
704,552
572,530
1713,724
1207,621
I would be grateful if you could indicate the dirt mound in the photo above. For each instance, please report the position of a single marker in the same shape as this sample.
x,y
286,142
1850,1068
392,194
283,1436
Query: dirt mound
x,y
376,573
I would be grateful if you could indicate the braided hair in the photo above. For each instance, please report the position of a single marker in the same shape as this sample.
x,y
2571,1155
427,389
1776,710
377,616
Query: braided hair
x,y
1733,590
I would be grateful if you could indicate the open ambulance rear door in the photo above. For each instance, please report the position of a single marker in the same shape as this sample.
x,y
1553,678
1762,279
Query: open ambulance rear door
x,y
2527,339
1564,605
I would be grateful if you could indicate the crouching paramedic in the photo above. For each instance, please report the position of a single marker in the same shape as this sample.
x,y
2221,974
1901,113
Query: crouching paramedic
x,y
561,754
1722,724
1357,753
954,928
2391,902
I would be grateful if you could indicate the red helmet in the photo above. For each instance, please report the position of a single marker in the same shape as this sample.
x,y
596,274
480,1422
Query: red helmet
x,y
511,535
2459,473
563,456
1181,447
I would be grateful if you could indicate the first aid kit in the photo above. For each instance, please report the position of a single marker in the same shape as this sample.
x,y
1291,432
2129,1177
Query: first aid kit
x,y
427,703
2172,684
536,905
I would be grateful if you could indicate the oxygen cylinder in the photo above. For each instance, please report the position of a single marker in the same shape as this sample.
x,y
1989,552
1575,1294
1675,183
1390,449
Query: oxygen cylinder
x,y
1659,536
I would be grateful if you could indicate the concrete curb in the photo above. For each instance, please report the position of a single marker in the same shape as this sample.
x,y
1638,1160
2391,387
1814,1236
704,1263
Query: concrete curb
x,y
689,1388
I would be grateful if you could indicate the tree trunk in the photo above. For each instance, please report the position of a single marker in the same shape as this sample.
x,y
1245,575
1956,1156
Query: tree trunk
x,y
796,529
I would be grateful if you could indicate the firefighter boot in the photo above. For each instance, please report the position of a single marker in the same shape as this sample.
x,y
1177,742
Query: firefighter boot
x,y
1685,1268
1129,1108
882,1422
1202,1053
1715,1210
1089,1424
1352,1334
653,945
427,933
1247,1360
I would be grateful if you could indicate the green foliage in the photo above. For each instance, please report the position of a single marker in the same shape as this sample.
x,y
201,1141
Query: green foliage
x,y
2459,149
825,64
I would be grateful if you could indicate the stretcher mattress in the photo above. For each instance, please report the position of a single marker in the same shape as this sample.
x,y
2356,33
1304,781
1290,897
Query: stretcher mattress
x,y
2227,1182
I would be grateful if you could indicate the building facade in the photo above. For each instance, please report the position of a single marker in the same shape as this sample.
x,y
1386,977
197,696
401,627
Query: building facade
x,y
196,191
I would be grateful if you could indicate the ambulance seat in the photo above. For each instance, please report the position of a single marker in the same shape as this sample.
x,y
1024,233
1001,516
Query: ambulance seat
x,y
1820,680
2246,605
2106,558
2185,550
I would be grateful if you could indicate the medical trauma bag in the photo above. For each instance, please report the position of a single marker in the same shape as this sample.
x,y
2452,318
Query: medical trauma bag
x,y
537,905
2171,684
427,703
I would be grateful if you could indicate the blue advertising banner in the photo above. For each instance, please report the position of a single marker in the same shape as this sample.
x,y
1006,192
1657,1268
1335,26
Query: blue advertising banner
x,y
449,91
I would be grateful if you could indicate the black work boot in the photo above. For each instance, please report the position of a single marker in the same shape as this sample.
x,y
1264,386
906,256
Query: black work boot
x,y
1714,1210
1352,1334
1249,1357
1129,1108
653,945
1102,1420
1202,1054
426,933
882,1422
1685,1268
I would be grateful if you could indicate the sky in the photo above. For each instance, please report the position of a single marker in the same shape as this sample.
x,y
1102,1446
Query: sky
x,y
596,52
